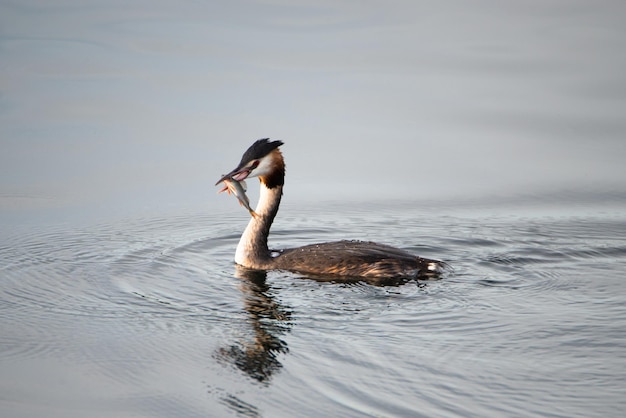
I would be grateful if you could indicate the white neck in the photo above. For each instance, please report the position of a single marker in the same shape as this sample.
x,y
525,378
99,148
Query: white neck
x,y
252,250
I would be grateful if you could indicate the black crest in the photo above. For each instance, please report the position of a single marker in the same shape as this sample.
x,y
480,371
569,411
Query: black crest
x,y
258,150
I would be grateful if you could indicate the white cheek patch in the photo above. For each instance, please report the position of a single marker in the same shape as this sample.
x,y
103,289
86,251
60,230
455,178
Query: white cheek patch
x,y
264,167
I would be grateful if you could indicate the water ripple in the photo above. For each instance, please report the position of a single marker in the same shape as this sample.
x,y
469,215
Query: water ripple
x,y
131,302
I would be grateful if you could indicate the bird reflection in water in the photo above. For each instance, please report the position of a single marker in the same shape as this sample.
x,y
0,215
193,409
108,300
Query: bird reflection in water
x,y
258,356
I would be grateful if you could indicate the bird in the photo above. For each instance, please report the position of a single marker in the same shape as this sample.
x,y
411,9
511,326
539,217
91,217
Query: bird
x,y
345,258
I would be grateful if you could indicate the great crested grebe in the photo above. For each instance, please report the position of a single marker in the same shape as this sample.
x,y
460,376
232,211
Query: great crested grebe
x,y
341,258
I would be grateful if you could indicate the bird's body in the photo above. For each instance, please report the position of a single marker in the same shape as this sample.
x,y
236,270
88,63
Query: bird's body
x,y
341,258
353,259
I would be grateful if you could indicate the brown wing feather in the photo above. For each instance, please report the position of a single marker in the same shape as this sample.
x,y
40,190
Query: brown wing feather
x,y
354,258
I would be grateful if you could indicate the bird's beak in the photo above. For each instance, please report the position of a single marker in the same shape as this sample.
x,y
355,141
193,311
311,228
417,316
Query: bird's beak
x,y
238,174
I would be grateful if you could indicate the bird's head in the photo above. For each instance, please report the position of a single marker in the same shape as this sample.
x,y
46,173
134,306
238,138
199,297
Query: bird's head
x,y
263,160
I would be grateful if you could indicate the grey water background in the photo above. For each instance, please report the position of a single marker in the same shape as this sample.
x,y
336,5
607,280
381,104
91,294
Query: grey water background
x,y
489,135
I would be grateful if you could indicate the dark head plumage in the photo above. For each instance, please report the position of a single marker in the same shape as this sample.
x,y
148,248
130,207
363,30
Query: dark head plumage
x,y
258,150
262,159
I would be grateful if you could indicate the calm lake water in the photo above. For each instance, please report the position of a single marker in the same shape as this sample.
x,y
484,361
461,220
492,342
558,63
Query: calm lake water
x,y
490,135
150,316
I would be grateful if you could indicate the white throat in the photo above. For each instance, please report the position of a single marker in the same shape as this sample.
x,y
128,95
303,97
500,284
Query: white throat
x,y
252,250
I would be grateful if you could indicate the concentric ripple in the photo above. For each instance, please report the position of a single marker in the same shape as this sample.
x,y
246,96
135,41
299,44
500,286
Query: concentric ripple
x,y
153,313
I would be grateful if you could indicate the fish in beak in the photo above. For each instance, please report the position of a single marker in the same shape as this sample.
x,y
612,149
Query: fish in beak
x,y
261,160
238,189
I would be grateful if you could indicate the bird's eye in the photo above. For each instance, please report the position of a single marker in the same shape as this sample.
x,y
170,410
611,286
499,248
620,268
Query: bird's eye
x,y
254,164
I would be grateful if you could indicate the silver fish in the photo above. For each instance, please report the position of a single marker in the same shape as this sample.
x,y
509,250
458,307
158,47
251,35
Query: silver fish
x,y
238,188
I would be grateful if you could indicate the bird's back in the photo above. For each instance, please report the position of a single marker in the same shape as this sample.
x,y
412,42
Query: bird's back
x,y
355,259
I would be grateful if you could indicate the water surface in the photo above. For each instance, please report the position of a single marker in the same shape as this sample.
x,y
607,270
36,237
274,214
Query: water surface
x,y
150,317
489,136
